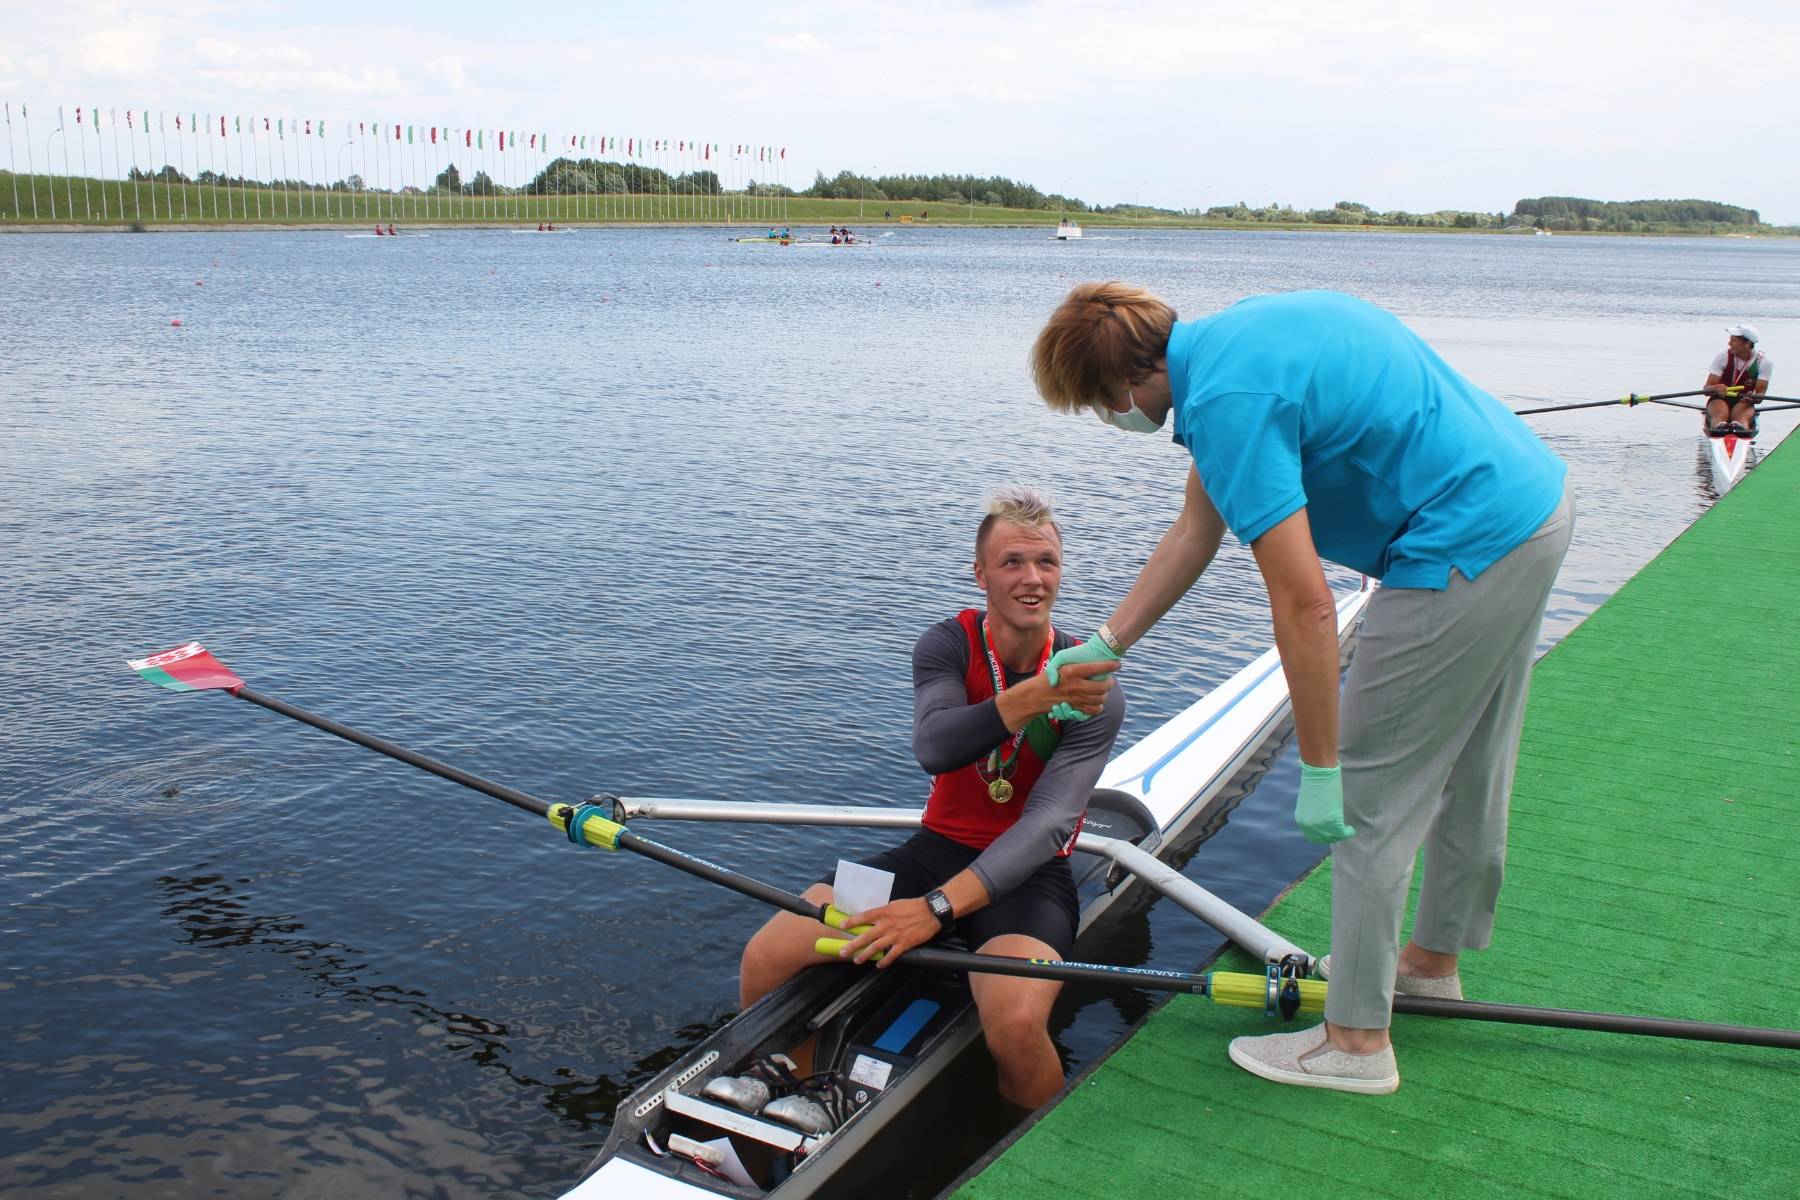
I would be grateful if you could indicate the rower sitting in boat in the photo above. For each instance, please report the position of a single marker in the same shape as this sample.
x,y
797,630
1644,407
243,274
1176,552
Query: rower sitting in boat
x,y
1740,365
1009,794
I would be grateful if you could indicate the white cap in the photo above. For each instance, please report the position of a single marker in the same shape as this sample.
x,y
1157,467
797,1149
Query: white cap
x,y
1747,332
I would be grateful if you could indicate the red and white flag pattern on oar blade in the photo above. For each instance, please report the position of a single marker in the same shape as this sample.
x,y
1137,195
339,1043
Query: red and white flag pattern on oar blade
x,y
189,668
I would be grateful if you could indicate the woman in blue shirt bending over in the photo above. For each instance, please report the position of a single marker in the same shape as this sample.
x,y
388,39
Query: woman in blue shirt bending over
x,y
1320,427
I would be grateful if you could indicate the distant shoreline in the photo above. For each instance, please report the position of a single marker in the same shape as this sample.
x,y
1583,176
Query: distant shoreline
x,y
866,225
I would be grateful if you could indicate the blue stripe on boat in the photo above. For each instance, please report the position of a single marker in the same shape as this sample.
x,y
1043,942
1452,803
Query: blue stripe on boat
x,y
906,1025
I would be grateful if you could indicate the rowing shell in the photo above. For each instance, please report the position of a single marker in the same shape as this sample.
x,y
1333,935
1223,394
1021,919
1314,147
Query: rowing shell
x,y
1729,457
887,1034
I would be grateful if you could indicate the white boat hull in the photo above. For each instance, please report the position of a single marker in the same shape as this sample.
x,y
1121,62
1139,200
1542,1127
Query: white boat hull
x,y
1729,458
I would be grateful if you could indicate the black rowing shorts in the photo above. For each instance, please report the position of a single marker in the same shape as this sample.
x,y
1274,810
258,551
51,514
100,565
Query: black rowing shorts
x,y
1043,906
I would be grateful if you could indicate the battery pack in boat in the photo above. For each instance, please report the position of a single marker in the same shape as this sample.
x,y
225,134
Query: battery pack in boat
x,y
894,1039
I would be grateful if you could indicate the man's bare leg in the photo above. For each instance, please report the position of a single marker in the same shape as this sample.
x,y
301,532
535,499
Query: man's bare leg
x,y
1015,1019
782,948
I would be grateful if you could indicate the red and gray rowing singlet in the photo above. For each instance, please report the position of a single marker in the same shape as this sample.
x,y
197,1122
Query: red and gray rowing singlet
x,y
1731,376
960,807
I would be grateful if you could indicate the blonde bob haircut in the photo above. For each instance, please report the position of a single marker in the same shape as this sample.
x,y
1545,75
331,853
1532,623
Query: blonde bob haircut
x,y
1018,505
1102,335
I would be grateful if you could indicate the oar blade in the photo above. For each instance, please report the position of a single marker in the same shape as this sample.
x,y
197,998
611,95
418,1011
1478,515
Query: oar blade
x,y
189,668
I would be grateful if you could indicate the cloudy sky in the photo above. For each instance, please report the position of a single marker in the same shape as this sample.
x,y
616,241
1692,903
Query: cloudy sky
x,y
1394,103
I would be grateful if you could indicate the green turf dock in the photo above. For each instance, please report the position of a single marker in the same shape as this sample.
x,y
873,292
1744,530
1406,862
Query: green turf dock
x,y
1654,868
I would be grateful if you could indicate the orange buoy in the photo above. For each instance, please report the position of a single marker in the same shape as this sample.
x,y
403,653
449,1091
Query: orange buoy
x,y
176,323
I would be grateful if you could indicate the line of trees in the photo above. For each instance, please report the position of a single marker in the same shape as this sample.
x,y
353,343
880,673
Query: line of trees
x,y
996,191
1633,216
1352,212
582,176
1555,213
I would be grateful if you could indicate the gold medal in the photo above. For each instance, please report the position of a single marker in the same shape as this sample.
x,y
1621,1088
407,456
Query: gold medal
x,y
1000,791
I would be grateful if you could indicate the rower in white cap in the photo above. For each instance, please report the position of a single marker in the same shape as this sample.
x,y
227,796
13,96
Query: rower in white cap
x,y
1740,365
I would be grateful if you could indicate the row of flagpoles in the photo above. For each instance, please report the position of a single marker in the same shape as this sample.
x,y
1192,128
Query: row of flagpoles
x,y
294,169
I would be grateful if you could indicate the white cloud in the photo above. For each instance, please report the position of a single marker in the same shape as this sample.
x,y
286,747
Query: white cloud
x,y
126,51
450,66
796,43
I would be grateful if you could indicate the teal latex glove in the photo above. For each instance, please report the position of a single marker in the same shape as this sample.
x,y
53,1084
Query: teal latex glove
x,y
1319,811
1091,651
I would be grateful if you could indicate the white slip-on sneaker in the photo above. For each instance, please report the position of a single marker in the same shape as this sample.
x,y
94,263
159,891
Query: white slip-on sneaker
x,y
1303,1059
1441,987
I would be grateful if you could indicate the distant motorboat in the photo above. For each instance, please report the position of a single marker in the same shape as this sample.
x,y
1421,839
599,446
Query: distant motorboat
x,y
1541,232
1066,231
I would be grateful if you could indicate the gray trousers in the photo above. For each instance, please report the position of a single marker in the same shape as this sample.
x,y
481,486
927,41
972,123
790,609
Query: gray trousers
x,y
1429,738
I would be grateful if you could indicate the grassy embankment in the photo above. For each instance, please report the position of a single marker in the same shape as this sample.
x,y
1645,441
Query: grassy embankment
x,y
114,203
44,200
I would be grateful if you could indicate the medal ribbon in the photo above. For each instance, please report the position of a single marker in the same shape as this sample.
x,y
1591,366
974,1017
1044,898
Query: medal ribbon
x,y
1002,757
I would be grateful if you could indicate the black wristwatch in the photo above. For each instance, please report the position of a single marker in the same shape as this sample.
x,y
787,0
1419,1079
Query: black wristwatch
x,y
939,904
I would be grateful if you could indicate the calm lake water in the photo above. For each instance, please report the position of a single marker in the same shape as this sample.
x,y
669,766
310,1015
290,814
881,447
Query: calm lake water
x,y
625,510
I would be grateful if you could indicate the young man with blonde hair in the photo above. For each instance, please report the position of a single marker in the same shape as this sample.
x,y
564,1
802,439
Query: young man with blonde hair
x,y
1010,787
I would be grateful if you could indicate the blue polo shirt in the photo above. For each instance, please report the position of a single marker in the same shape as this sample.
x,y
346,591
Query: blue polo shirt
x,y
1323,401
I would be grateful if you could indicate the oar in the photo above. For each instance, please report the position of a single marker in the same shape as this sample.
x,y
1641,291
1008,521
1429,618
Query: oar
x,y
191,668
1257,991
1633,400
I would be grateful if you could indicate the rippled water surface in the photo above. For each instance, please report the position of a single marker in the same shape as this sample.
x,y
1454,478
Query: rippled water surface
x,y
639,511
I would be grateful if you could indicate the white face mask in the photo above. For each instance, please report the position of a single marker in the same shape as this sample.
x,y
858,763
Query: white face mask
x,y
1132,420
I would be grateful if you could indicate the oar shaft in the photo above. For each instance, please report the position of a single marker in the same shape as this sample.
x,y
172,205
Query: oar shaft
x,y
498,791
625,839
1566,1018
1634,399
1244,990
1067,972
1532,412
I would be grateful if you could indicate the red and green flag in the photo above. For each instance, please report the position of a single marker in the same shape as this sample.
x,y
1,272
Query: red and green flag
x,y
189,668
